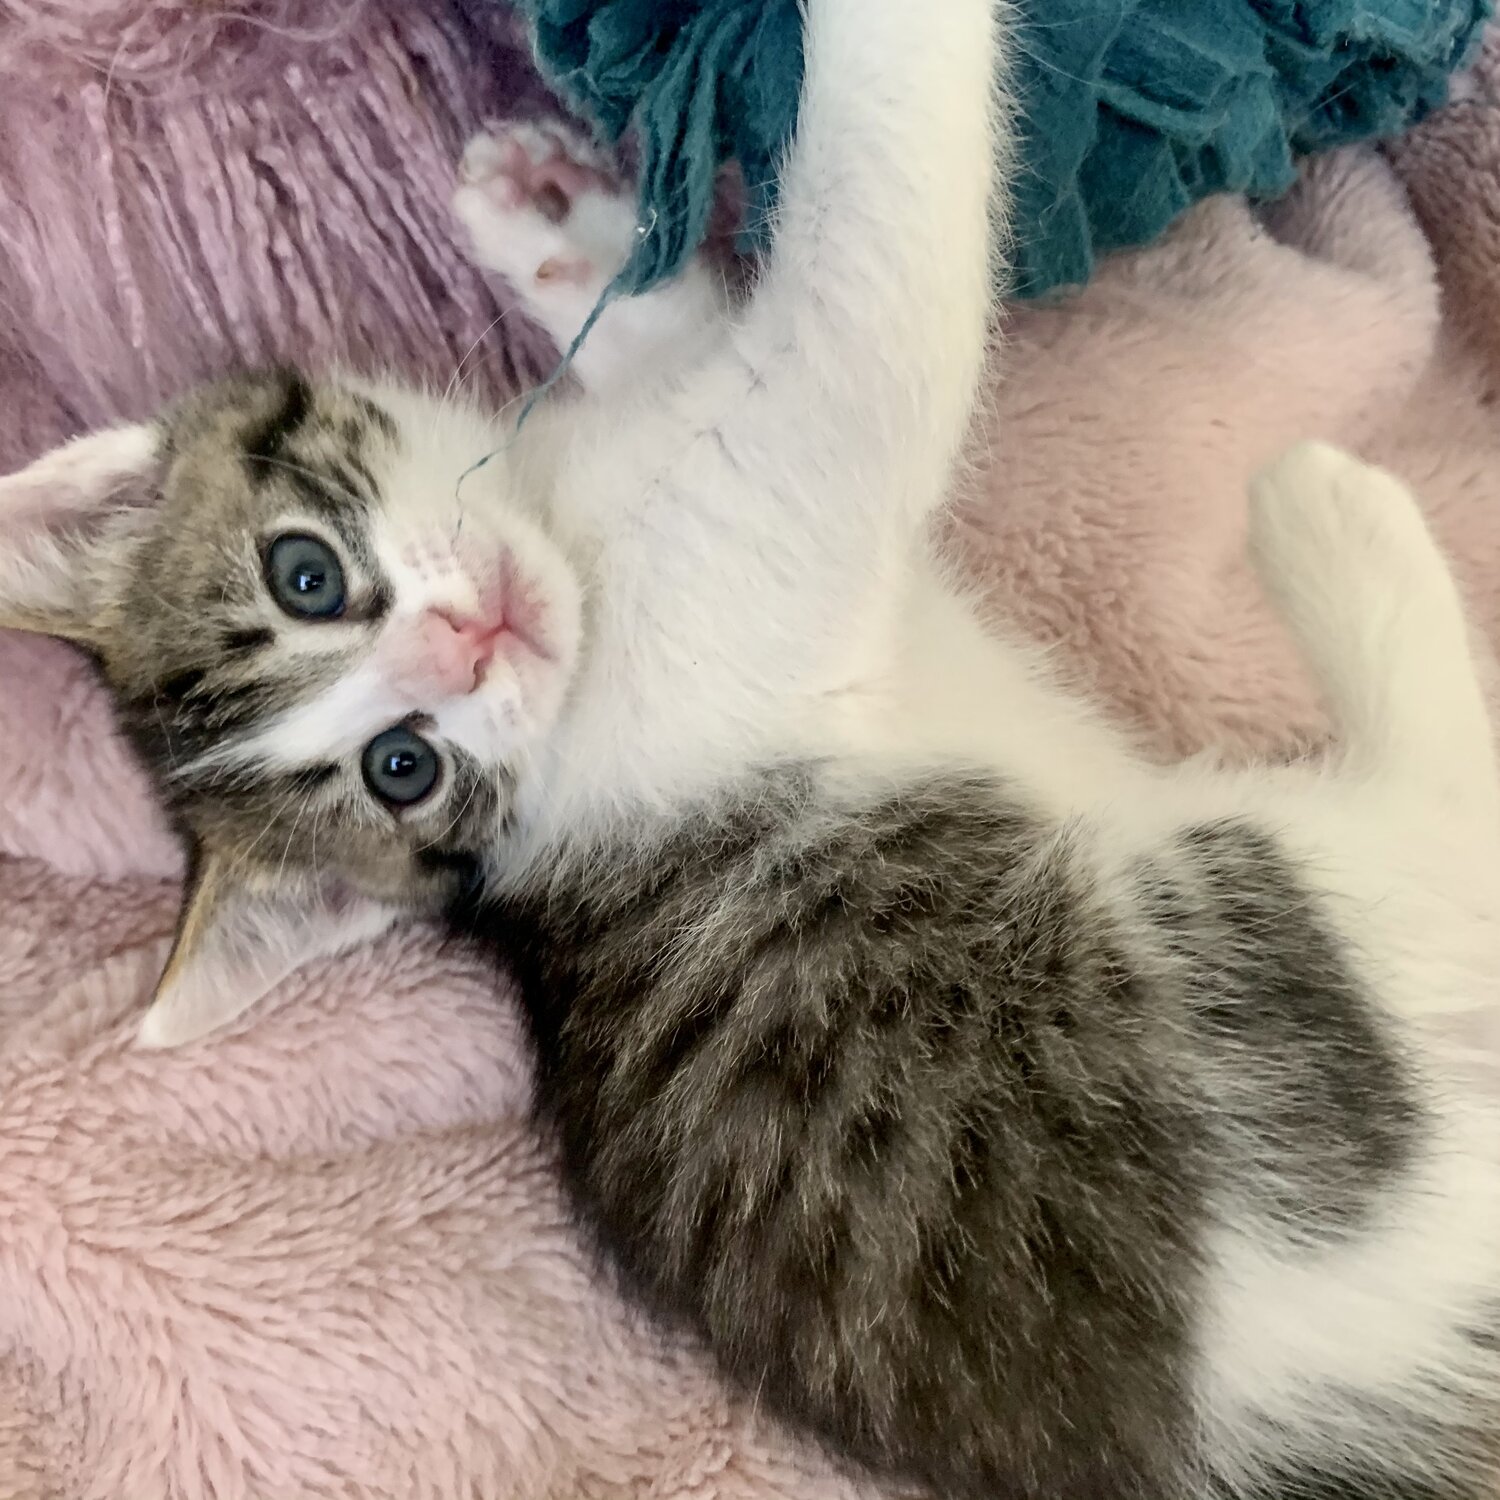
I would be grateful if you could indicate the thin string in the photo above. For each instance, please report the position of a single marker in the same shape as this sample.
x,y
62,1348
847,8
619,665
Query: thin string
x,y
622,285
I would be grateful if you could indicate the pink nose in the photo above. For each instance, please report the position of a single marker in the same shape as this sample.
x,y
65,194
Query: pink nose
x,y
451,652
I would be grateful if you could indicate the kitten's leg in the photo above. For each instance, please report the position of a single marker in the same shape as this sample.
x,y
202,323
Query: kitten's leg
x,y
878,296
760,513
1344,552
543,209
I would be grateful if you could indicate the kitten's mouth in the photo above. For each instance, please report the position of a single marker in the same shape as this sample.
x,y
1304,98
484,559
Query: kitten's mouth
x,y
520,617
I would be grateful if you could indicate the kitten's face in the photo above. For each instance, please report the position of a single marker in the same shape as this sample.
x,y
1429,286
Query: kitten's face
x,y
339,661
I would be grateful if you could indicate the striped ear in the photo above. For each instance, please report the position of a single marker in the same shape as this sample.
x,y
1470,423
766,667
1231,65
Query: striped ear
x,y
237,940
64,523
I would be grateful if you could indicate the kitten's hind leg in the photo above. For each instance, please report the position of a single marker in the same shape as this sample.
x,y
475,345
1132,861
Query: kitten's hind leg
x,y
546,211
1344,552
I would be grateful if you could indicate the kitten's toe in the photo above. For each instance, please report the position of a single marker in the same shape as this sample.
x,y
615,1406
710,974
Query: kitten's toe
x,y
482,159
572,166
542,208
544,168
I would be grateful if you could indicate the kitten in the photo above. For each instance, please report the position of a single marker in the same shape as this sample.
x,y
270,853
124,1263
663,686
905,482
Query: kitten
x,y
1013,1116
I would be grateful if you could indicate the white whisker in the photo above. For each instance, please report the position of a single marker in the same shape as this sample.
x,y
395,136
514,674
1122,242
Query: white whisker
x,y
494,323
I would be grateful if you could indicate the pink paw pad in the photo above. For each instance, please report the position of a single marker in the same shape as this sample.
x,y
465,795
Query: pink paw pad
x,y
544,168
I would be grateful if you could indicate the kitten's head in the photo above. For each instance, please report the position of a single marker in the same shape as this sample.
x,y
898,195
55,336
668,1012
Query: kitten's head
x,y
337,662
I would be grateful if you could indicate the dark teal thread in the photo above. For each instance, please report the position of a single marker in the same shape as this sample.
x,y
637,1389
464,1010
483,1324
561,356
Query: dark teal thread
x,y
1133,109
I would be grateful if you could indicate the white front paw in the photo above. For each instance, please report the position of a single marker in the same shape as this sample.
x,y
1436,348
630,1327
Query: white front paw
x,y
541,207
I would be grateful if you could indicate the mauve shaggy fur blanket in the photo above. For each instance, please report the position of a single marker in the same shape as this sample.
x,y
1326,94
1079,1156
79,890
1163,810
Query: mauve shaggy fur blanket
x,y
324,1256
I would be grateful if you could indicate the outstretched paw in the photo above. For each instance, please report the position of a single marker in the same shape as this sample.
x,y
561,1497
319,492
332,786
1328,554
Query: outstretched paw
x,y
542,207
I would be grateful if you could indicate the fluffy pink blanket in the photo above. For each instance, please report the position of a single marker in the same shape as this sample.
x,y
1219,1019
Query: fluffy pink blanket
x,y
324,1256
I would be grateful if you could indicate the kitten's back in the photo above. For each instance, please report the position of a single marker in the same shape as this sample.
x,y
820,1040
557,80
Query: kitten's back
x,y
910,1115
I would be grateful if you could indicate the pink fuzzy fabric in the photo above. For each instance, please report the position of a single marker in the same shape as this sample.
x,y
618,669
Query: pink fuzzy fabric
x,y
187,186
324,1256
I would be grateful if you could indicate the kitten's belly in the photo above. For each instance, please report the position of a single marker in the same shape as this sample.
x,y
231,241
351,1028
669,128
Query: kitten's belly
x,y
931,681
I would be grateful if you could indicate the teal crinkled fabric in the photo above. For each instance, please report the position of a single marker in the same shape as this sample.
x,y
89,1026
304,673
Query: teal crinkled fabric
x,y
1132,109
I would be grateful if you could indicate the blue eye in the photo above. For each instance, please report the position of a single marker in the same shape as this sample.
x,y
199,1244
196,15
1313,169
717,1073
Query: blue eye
x,y
305,578
400,767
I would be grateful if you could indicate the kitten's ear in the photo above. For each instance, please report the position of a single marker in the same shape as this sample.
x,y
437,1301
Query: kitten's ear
x,y
237,941
61,528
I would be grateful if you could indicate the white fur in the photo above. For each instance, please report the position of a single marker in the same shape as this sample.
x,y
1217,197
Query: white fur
x,y
752,532
86,484
731,544
70,479
635,335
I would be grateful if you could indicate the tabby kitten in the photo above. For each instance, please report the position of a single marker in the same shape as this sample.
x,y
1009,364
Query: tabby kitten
x,y
1011,1115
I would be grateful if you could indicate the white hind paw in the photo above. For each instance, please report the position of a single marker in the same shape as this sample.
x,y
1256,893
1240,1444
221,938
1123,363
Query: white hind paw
x,y
1345,554
1325,528
543,209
